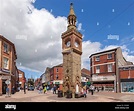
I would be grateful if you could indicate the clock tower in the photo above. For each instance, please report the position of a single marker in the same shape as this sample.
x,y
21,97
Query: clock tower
x,y
72,51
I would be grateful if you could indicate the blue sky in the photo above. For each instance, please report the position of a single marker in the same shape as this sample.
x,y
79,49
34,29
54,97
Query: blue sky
x,y
114,17
97,20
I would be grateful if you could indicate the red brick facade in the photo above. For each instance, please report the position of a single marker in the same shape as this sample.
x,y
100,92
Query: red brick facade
x,y
22,78
56,75
8,69
105,69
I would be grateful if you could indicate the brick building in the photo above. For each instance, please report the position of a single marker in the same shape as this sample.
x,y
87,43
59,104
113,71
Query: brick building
x,y
127,78
104,67
47,76
85,76
56,76
37,82
22,78
8,69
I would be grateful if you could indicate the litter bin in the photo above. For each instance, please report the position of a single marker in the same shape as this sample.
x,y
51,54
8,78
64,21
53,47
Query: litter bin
x,y
68,94
60,93
76,95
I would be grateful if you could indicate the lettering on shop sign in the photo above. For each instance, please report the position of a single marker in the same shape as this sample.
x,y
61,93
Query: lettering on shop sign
x,y
8,106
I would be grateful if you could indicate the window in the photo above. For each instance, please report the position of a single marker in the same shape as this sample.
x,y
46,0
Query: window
x,y
126,68
109,67
97,69
97,58
57,70
20,75
5,48
57,76
6,63
109,56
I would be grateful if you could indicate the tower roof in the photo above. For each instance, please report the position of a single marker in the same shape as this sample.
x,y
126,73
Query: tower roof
x,y
71,9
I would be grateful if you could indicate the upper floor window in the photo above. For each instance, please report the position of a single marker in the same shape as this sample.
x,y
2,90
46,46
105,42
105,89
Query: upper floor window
x,y
97,58
6,63
109,67
126,68
6,48
109,56
97,69
57,76
57,70
20,75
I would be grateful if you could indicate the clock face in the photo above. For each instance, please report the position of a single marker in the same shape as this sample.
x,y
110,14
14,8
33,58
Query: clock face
x,y
76,44
68,44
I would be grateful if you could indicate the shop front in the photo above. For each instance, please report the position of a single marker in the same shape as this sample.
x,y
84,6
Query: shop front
x,y
3,82
127,85
58,84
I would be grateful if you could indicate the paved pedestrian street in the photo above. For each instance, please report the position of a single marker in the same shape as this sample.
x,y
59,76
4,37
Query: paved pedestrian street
x,y
34,96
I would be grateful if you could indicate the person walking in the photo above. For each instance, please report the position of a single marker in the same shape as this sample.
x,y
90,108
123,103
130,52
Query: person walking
x,y
40,89
85,92
13,90
45,90
92,89
24,89
54,89
7,91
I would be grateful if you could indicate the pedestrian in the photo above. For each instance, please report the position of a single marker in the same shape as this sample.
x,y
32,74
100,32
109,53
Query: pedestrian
x,y
7,91
13,90
85,92
40,89
97,89
92,89
45,90
54,89
24,89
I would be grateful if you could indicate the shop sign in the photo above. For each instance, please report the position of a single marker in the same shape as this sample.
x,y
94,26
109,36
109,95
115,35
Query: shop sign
x,y
5,77
57,82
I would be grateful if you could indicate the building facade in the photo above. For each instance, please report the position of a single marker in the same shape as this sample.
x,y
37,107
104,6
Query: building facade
x,y
85,77
127,78
8,69
56,76
47,76
104,67
22,78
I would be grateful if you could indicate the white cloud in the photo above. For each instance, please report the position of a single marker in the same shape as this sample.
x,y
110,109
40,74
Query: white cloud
x,y
79,26
88,48
125,51
37,35
132,39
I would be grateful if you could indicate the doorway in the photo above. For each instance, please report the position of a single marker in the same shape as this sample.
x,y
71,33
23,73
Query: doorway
x,y
4,86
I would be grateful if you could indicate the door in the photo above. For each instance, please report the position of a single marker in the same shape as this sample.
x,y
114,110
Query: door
x,y
4,86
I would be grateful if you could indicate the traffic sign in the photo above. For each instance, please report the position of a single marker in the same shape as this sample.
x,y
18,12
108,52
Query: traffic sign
x,y
7,81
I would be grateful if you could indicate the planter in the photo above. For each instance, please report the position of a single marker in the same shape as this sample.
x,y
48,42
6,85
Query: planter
x,y
68,94
60,93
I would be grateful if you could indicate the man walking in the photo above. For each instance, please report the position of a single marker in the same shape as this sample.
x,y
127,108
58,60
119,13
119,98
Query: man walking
x,y
54,89
7,91
92,89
